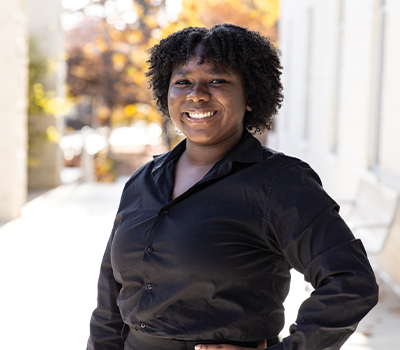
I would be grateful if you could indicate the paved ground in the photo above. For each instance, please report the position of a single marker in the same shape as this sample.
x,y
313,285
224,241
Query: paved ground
x,y
49,263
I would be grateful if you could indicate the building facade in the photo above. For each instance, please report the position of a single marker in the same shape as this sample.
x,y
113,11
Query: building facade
x,y
20,20
342,98
13,105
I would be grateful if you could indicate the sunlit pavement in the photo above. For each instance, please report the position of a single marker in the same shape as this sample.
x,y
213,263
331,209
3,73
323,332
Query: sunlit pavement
x,y
49,264
49,261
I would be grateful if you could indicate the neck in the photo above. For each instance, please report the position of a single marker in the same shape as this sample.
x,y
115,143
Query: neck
x,y
207,155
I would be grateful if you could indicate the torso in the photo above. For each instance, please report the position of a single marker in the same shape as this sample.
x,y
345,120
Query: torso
x,y
210,252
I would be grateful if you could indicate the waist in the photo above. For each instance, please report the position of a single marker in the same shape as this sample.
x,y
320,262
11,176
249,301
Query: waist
x,y
140,341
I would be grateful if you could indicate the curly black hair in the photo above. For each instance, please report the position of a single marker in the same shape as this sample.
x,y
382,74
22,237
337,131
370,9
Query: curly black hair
x,y
252,54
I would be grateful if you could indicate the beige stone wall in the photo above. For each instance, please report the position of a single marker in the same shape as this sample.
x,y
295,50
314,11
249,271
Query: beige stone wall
x,y
342,104
13,130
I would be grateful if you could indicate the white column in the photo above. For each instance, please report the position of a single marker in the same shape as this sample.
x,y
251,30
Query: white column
x,y
13,104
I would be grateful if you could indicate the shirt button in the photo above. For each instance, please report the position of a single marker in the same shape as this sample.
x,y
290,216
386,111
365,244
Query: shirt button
x,y
166,212
149,286
150,249
143,325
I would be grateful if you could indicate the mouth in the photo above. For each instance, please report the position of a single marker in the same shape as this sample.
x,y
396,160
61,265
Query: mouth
x,y
198,116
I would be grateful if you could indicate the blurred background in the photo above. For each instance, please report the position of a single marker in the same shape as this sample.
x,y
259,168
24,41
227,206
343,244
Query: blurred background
x,y
77,119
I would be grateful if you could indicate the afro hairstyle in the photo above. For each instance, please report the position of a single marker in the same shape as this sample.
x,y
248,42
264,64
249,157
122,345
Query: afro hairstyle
x,y
252,54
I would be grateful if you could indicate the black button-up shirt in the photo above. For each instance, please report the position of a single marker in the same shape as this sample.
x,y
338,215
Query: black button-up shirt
x,y
214,263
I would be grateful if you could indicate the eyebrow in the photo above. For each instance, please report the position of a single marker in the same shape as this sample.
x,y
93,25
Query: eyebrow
x,y
209,71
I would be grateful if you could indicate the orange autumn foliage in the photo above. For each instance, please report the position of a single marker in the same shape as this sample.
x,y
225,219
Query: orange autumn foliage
x,y
108,64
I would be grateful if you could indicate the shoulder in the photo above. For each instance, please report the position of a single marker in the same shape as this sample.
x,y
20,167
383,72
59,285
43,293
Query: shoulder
x,y
141,173
144,173
158,162
296,192
287,168
293,185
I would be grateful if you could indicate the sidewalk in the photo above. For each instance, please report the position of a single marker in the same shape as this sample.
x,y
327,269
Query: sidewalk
x,y
49,260
49,264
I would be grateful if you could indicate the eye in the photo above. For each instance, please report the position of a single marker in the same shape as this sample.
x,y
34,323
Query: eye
x,y
217,81
182,82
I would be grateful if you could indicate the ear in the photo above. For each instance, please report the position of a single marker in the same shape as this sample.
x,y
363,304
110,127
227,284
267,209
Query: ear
x,y
248,108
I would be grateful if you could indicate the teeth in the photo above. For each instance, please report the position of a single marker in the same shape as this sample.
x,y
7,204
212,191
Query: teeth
x,y
201,115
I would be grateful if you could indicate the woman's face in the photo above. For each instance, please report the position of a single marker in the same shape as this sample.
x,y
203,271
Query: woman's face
x,y
207,103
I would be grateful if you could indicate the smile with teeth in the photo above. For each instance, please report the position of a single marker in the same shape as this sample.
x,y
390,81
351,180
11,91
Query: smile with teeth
x,y
200,115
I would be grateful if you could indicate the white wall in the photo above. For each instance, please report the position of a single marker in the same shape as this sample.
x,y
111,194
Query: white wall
x,y
13,130
331,75
342,97
390,155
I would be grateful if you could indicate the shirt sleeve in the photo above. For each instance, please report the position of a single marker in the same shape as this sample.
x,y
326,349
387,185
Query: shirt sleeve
x,y
106,324
308,231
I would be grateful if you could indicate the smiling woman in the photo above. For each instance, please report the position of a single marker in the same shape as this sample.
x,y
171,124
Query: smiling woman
x,y
207,104
254,58
206,234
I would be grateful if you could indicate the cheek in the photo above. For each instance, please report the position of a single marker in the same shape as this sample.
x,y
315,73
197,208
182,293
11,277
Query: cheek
x,y
173,98
171,102
238,104
173,109
236,100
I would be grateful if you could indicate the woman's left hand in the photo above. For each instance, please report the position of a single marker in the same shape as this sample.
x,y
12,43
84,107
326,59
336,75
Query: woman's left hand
x,y
262,344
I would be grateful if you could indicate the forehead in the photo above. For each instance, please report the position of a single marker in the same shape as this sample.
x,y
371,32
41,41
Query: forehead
x,y
211,69
196,63
200,57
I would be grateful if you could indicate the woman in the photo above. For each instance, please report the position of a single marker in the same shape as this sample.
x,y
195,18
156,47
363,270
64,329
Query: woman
x,y
206,234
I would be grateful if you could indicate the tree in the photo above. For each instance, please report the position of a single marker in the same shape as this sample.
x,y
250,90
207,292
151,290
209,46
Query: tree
x,y
107,51
109,64
258,15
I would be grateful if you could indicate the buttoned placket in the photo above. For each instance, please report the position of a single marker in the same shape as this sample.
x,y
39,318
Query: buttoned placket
x,y
150,251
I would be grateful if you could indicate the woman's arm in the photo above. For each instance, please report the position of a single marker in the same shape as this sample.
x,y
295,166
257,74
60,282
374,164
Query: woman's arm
x,y
303,223
306,226
106,324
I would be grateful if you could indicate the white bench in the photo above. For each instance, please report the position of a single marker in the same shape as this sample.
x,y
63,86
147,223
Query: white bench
x,y
372,213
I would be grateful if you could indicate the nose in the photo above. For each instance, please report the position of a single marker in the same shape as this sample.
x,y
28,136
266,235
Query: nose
x,y
198,93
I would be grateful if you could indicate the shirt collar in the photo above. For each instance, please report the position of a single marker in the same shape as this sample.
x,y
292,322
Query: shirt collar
x,y
247,150
174,154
